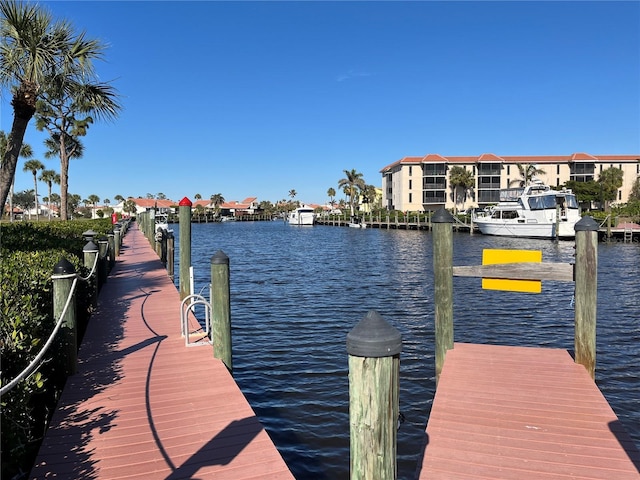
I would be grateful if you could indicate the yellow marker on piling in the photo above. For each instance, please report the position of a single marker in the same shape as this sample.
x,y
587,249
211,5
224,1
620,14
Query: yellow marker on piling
x,y
493,257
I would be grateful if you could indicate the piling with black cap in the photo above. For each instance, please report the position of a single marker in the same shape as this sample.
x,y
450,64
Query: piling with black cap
x,y
111,239
103,262
442,222
374,349
63,276
90,253
586,293
221,308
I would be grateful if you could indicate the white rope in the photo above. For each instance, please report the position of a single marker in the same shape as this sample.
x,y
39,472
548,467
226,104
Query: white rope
x,y
93,269
33,365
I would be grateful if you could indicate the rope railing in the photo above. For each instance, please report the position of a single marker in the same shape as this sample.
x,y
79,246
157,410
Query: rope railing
x,y
93,269
36,362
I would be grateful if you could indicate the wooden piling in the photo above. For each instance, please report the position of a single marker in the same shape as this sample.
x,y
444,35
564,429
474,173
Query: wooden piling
x,y
103,267
111,239
586,293
117,236
170,254
184,215
90,253
221,309
374,349
442,224
63,276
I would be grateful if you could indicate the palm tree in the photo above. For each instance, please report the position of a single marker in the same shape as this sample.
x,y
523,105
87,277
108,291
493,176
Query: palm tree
x,y
50,177
216,199
460,179
25,152
610,180
331,193
292,194
351,185
527,173
161,196
94,199
34,166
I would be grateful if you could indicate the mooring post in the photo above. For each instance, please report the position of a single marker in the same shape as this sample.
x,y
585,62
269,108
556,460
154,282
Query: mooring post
x,y
90,253
442,224
103,247
63,275
374,349
152,227
221,308
111,239
586,287
184,215
117,232
170,254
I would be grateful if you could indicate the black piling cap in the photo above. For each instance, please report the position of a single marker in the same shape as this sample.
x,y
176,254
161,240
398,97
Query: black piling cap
x,y
89,235
373,337
220,258
442,216
90,247
63,267
586,224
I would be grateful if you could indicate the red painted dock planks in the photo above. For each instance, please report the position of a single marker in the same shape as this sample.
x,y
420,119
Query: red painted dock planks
x,y
145,406
522,413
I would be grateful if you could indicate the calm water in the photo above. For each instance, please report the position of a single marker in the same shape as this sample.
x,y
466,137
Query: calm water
x,y
297,291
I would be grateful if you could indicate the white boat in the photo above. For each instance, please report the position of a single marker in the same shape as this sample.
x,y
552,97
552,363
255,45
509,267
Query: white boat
x,y
302,216
162,222
534,211
356,223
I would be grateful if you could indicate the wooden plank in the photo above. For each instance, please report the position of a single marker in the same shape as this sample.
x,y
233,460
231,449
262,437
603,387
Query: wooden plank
x,y
560,272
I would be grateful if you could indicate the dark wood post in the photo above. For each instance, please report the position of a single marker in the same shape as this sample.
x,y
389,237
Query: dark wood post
x,y
184,215
221,308
63,276
111,239
117,232
442,224
90,252
374,349
586,279
170,254
103,247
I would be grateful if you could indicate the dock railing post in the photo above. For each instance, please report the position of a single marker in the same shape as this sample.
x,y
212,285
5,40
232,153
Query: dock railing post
x,y
90,252
117,232
170,254
374,349
184,215
586,293
111,239
442,224
63,276
221,309
103,267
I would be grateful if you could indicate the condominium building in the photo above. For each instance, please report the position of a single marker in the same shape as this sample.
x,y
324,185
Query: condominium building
x,y
423,183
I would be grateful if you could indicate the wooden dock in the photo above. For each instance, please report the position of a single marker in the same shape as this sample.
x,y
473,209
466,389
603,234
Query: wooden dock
x,y
522,413
145,406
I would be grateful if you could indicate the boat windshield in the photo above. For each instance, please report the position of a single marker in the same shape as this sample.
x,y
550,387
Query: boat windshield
x,y
542,202
510,194
571,200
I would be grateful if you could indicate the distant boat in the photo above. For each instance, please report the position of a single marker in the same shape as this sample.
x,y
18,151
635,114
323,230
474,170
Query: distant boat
x,y
302,216
162,222
532,212
357,223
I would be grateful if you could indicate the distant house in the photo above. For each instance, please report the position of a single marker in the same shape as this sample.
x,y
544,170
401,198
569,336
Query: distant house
x,y
248,206
144,204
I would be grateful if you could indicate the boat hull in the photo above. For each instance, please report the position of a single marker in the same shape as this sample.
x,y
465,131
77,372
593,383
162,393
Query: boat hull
x,y
526,230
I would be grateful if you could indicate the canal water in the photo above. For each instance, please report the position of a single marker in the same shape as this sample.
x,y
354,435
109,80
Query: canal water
x,y
297,291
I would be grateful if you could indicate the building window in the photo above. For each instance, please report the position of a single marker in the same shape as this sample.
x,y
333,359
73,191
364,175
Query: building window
x,y
410,184
410,170
508,169
582,172
410,197
558,170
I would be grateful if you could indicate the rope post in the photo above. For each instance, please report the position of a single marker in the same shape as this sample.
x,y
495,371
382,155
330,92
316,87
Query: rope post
x,y
170,254
221,308
586,285
111,239
184,215
442,224
63,276
117,232
151,226
90,252
374,349
103,247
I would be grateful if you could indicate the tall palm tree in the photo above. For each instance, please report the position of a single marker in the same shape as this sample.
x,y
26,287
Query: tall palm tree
x,y
93,199
331,193
216,199
460,179
50,177
292,193
610,180
527,174
34,166
352,184
25,152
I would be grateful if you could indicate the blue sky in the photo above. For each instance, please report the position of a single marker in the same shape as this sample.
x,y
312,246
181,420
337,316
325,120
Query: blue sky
x,y
258,98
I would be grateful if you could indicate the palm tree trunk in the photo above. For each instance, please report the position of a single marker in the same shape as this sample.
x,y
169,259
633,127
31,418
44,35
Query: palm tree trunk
x,y
10,157
35,195
64,180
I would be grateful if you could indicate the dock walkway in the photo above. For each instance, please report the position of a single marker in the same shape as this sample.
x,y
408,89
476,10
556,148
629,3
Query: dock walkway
x,y
143,405
522,413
